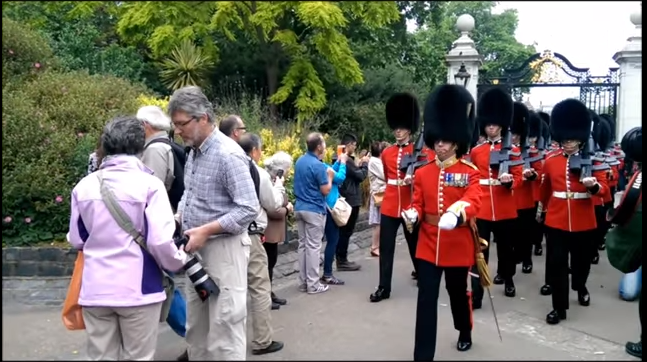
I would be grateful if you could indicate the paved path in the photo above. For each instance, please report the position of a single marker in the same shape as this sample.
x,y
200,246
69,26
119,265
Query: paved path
x,y
342,325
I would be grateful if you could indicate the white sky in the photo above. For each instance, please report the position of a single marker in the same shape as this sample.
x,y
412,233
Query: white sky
x,y
587,33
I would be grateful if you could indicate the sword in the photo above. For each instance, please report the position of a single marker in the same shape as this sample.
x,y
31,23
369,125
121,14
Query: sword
x,y
496,320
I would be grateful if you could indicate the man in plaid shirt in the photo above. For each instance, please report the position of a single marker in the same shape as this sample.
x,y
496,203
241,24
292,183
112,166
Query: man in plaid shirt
x,y
218,204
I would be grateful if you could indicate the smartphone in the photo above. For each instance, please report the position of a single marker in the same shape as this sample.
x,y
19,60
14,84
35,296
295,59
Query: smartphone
x,y
340,149
279,173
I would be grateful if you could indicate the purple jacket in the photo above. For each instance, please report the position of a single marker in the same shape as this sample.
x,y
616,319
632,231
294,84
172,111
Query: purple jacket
x,y
117,272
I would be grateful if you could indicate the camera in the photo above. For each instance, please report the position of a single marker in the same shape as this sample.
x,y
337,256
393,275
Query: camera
x,y
202,282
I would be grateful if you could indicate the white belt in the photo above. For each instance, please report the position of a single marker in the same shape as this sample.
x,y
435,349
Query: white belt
x,y
490,182
571,195
395,182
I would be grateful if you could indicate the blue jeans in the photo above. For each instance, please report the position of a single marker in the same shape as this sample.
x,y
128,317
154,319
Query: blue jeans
x,y
331,232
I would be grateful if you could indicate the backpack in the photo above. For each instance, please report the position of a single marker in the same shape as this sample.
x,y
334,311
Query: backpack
x,y
256,177
179,160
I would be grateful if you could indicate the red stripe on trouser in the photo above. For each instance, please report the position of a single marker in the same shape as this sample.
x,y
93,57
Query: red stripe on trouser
x,y
469,302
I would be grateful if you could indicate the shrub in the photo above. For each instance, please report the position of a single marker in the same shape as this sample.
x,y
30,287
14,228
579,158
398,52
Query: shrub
x,y
50,125
24,51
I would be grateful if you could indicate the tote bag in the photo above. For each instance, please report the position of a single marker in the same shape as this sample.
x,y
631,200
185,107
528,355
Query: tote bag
x,y
72,311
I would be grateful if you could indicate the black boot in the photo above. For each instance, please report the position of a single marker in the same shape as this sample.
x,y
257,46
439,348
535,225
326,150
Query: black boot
x,y
345,265
526,268
539,250
277,300
635,349
379,295
595,260
555,316
583,297
464,341
510,290
184,356
414,275
498,280
275,346
546,290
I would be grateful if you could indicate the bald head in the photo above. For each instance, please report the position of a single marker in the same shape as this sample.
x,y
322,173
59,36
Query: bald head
x,y
315,143
232,126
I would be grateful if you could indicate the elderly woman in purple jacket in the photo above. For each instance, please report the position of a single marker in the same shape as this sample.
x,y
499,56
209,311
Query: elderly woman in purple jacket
x,y
121,288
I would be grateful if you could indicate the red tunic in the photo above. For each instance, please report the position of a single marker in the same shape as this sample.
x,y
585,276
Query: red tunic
x,y
528,192
570,206
438,188
397,196
498,200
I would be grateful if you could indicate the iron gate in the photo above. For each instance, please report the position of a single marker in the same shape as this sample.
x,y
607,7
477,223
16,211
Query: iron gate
x,y
598,93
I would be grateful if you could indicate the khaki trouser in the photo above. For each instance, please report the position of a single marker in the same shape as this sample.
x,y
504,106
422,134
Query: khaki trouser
x,y
260,293
310,227
129,330
216,328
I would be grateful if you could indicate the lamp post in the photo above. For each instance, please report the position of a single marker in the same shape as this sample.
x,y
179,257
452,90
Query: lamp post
x,y
462,77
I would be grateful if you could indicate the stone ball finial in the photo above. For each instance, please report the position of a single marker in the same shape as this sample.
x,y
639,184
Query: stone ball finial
x,y
465,23
637,17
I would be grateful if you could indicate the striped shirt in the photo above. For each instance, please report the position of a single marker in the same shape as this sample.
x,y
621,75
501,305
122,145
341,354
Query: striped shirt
x,y
218,186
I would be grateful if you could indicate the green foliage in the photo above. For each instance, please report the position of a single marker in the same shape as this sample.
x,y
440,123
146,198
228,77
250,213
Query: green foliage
x,y
45,146
187,65
24,52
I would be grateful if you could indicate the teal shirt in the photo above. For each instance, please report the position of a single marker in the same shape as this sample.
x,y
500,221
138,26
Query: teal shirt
x,y
340,176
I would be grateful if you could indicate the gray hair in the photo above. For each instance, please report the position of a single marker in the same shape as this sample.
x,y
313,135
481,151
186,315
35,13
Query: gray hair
x,y
249,141
192,101
278,161
155,117
123,136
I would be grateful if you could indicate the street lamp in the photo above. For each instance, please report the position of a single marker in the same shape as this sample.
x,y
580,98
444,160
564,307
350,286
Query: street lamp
x,y
463,76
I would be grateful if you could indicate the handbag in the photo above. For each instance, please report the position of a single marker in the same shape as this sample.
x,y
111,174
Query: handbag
x,y
72,312
378,197
124,221
340,212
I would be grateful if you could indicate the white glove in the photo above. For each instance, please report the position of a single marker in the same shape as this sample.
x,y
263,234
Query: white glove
x,y
448,221
589,181
410,215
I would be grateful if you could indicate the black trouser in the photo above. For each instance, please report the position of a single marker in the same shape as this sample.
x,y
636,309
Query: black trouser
x,y
539,235
547,254
503,231
640,313
272,250
560,244
345,232
429,276
601,230
388,232
526,230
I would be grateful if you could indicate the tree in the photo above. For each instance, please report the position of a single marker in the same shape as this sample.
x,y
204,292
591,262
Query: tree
x,y
187,65
297,30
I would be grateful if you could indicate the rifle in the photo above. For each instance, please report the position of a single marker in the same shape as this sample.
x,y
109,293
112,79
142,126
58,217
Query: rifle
x,y
582,162
501,159
410,163
541,146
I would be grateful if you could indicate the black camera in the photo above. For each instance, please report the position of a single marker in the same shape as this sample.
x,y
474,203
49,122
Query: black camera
x,y
202,282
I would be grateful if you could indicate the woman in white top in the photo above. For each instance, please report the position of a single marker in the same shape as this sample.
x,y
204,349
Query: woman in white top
x,y
377,187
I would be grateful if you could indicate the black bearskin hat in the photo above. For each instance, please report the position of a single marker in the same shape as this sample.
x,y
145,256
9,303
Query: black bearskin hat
x,y
520,117
570,120
495,107
602,134
403,111
449,116
544,117
535,125
612,124
476,135
632,144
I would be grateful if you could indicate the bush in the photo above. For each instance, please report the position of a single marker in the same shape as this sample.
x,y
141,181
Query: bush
x,y
50,125
24,51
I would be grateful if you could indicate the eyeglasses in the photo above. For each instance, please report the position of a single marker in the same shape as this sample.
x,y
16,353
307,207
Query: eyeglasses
x,y
241,128
183,124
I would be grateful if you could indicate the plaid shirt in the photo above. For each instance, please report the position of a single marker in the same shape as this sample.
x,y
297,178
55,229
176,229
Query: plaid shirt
x,y
218,186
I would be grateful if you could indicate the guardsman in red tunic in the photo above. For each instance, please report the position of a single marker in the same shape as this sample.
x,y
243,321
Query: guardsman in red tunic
x,y
499,211
602,137
446,196
567,189
544,135
403,117
528,228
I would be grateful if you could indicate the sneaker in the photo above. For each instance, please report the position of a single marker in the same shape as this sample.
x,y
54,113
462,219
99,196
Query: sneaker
x,y
331,280
275,346
303,287
321,288
348,266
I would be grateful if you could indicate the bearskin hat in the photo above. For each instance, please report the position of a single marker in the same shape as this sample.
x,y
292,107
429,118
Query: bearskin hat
x,y
449,116
570,120
495,107
612,123
476,135
602,134
632,144
535,125
403,111
545,133
544,117
520,117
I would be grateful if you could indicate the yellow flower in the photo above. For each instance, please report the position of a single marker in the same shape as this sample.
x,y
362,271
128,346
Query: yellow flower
x,y
145,100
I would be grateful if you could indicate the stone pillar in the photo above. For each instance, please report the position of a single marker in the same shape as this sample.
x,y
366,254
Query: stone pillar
x,y
464,52
629,111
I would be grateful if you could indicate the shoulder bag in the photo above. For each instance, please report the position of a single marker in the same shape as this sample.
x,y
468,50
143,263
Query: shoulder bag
x,y
340,212
124,221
